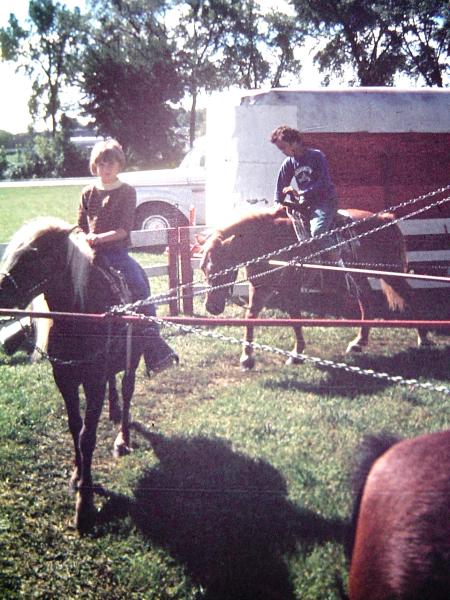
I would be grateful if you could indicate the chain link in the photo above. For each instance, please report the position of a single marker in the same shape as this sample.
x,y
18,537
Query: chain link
x,y
165,298
130,309
397,379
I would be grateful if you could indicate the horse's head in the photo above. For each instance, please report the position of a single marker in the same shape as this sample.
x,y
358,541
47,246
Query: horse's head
x,y
35,259
217,265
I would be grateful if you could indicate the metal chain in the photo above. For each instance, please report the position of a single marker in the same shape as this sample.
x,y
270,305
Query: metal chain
x,y
164,298
188,329
130,308
59,361
397,379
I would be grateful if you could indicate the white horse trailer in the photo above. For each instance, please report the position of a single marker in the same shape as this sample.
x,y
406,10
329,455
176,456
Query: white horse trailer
x,y
384,146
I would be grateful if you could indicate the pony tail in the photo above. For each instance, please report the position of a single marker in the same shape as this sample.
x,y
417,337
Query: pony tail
x,y
41,328
394,299
397,292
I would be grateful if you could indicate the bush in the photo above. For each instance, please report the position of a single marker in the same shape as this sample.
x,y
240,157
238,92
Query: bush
x,y
3,162
46,156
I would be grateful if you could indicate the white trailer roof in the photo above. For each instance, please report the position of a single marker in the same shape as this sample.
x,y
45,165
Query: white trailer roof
x,y
361,109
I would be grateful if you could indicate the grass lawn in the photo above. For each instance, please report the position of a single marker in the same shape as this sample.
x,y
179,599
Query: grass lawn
x,y
238,485
19,204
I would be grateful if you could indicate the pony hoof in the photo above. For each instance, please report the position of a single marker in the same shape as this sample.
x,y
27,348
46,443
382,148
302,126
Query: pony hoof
x,y
121,450
85,513
247,364
354,349
294,360
425,344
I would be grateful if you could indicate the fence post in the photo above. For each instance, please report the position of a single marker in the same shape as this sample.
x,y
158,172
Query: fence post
x,y
186,270
173,253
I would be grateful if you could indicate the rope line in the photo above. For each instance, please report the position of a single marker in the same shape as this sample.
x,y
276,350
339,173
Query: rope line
x,y
397,379
130,308
165,298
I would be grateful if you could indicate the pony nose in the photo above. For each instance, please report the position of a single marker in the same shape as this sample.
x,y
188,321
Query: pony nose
x,y
214,308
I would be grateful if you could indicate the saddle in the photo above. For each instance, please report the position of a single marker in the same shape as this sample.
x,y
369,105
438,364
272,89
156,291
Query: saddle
x,y
117,282
345,252
344,236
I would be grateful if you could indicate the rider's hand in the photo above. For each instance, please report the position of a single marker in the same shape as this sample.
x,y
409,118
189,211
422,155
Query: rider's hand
x,y
291,192
293,197
92,239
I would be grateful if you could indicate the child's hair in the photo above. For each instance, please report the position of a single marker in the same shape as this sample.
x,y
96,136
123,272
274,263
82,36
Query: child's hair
x,y
109,151
284,133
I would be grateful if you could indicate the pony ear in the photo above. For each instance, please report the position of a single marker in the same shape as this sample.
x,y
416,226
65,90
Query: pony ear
x,y
226,243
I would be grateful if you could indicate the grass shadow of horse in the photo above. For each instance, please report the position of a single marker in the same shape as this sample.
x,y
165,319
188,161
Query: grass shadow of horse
x,y
226,517
411,363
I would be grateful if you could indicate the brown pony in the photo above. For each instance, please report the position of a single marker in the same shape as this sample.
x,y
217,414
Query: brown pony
x,y
47,257
400,548
261,233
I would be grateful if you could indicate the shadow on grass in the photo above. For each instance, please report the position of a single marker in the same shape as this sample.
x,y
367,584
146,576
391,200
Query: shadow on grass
x,y
424,364
224,516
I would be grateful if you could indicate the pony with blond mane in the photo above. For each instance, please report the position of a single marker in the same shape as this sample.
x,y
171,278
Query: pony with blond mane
x,y
257,234
49,257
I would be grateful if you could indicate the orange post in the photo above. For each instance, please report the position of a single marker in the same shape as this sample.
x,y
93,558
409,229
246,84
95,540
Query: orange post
x,y
173,253
187,274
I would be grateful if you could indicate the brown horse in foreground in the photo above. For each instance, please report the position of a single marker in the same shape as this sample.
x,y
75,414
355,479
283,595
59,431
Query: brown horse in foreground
x,y
401,544
260,233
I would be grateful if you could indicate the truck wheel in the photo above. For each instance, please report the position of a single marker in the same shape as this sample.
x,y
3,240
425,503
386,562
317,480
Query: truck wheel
x,y
157,216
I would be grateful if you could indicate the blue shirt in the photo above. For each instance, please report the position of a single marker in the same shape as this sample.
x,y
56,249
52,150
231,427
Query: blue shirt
x,y
312,176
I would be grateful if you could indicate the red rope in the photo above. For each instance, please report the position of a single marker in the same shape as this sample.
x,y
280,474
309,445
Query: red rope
x,y
216,322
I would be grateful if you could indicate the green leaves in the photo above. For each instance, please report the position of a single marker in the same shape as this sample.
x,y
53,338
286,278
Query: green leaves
x,y
378,40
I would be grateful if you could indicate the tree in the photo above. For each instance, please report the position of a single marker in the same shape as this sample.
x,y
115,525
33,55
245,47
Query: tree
x,y
202,25
283,36
222,43
48,51
357,33
425,31
130,78
379,39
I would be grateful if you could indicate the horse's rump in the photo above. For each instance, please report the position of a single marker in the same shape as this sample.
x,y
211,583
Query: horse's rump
x,y
402,543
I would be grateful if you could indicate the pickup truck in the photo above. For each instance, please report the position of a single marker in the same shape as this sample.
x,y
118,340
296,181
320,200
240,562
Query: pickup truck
x,y
170,197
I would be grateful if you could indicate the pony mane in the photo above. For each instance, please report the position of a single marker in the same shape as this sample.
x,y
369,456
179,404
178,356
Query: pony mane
x,y
249,220
79,255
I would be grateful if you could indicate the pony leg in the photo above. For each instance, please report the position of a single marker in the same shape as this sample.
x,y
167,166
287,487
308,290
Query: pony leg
x,y
85,510
256,299
122,442
69,392
299,345
115,414
362,338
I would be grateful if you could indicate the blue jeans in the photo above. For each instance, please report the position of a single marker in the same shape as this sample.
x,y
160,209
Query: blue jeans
x,y
134,274
156,350
321,221
322,218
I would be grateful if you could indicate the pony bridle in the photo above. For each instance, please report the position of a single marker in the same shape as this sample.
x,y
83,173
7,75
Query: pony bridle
x,y
30,292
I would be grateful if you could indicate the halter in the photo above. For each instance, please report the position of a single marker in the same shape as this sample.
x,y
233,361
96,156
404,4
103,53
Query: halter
x,y
29,291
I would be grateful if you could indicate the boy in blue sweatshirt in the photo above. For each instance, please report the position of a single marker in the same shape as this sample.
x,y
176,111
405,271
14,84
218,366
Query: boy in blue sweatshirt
x,y
308,166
